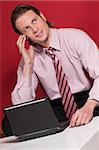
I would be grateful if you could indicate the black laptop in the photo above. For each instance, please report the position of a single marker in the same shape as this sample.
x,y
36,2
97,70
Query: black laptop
x,y
36,118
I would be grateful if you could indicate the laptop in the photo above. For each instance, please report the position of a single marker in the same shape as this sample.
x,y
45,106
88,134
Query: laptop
x,y
36,118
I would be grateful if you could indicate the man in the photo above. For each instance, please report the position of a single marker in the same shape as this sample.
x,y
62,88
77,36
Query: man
x,y
75,50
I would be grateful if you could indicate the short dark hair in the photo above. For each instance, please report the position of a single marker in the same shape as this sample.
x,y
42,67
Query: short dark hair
x,y
20,10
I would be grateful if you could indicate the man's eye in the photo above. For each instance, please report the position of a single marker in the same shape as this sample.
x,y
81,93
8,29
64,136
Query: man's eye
x,y
34,20
26,29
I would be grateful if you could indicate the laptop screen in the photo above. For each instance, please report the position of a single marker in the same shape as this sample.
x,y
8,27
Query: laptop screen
x,y
34,116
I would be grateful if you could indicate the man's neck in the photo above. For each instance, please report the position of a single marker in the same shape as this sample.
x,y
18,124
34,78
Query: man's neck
x,y
46,43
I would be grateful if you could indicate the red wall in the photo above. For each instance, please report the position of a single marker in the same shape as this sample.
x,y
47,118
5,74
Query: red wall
x,y
83,15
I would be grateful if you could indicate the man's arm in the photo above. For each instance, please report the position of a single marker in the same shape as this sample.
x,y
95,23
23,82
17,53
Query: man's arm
x,y
89,56
26,79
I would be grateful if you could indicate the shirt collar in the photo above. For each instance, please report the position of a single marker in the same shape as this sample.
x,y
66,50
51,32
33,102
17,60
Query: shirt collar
x,y
54,42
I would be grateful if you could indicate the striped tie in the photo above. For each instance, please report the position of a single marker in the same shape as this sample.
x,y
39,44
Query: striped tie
x,y
67,98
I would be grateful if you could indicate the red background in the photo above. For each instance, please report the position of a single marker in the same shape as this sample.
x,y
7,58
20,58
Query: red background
x,y
79,14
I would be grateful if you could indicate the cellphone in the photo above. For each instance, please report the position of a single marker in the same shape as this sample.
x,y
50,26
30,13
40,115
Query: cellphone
x,y
30,41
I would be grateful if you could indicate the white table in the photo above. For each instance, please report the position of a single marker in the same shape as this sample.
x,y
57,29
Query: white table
x,y
79,138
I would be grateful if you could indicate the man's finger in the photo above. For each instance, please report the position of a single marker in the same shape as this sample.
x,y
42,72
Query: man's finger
x,y
73,119
23,42
79,119
84,119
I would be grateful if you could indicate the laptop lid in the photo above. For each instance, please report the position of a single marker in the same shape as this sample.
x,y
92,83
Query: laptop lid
x,y
32,116
58,109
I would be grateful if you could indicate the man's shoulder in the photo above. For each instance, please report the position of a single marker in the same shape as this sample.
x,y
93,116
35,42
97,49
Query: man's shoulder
x,y
69,30
76,30
73,33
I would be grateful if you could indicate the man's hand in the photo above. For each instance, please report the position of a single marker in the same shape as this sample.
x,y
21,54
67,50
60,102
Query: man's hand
x,y
83,115
27,54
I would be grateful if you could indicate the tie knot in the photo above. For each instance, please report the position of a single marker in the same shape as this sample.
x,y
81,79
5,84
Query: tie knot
x,y
50,52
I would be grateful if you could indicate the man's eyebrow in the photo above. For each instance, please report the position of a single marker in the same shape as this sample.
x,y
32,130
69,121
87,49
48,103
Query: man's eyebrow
x,y
33,18
24,28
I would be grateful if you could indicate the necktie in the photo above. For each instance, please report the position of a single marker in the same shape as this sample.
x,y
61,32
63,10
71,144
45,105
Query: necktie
x,y
67,98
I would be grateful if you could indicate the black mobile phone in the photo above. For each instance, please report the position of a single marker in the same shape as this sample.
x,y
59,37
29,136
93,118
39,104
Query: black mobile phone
x,y
30,42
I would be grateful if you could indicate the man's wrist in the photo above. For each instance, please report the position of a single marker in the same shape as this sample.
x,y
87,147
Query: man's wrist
x,y
28,64
92,103
27,70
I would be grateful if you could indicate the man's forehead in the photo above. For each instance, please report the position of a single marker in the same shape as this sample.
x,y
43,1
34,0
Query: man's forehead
x,y
24,18
28,13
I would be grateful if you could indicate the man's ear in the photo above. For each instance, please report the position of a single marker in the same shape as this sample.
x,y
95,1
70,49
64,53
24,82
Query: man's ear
x,y
43,17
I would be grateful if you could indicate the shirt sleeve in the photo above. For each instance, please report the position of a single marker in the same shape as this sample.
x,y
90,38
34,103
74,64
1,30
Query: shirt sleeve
x,y
89,56
25,87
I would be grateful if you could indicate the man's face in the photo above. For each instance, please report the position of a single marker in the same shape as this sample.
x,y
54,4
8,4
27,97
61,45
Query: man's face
x,y
34,27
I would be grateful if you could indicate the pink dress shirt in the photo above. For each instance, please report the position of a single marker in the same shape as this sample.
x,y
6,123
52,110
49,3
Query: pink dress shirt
x,y
75,50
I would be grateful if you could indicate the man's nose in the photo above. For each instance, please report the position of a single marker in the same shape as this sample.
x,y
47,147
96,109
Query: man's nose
x,y
34,28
